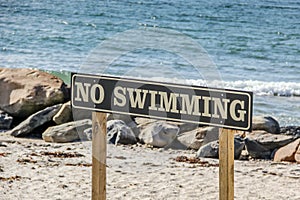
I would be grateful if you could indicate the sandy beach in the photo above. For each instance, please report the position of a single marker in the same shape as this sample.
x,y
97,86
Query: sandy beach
x,y
34,169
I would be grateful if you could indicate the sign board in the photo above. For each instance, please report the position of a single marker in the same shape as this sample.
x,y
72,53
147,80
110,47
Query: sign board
x,y
230,109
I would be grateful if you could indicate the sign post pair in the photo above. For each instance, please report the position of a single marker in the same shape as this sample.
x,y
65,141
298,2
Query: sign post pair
x,y
228,109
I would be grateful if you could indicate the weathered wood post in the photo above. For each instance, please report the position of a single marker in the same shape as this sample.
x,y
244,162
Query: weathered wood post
x,y
99,156
226,164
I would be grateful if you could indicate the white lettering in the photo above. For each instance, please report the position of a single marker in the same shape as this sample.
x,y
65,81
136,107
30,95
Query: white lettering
x,y
222,108
137,100
242,113
119,96
187,105
82,92
164,101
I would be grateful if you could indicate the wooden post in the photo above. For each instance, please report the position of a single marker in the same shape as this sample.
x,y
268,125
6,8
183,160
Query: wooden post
x,y
99,156
226,164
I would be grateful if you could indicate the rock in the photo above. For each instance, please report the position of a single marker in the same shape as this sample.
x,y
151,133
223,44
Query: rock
x,y
67,132
287,152
119,133
256,150
196,138
297,155
266,123
159,134
140,121
183,126
291,130
34,121
274,141
129,121
211,150
261,144
5,120
64,114
26,91
125,118
239,146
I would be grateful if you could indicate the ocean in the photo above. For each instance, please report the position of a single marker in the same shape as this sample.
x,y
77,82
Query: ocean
x,y
249,45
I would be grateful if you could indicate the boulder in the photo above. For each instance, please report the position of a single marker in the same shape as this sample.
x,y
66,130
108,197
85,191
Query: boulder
x,y
261,144
159,134
211,150
34,121
142,121
26,91
119,133
129,121
125,118
196,138
67,132
183,126
287,152
291,130
64,114
266,123
256,150
239,146
5,120
274,141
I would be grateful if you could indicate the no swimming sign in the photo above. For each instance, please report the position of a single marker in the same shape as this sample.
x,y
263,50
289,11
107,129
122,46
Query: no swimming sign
x,y
208,106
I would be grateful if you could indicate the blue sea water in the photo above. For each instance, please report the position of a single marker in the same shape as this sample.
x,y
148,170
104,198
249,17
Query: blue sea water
x,y
255,45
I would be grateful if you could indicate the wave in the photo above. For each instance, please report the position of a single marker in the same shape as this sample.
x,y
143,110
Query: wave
x,y
262,88
259,88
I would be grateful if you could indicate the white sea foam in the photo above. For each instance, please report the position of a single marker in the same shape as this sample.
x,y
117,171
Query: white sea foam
x,y
259,88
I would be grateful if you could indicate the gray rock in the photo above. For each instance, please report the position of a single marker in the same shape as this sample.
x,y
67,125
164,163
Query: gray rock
x,y
34,121
129,121
183,126
261,144
291,130
256,150
274,141
266,123
198,137
211,150
119,133
125,118
159,134
141,121
64,114
5,120
239,146
67,132
26,91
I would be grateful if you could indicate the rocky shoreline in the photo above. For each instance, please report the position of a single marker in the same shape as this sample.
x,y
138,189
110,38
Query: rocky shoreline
x,y
37,104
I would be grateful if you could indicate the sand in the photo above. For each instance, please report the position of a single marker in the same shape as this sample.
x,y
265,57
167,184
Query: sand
x,y
33,169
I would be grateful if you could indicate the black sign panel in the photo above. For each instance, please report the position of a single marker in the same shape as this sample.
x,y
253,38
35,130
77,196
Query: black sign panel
x,y
208,106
